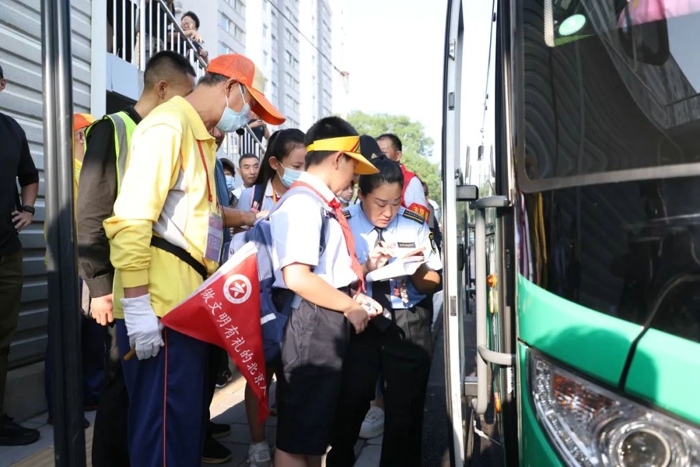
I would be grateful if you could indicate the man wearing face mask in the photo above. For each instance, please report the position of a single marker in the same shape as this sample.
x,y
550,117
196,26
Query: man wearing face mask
x,y
165,238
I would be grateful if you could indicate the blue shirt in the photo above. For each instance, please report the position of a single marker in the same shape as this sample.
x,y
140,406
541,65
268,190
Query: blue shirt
x,y
222,197
404,234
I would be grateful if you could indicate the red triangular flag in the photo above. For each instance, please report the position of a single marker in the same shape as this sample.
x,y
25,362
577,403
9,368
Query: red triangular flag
x,y
225,311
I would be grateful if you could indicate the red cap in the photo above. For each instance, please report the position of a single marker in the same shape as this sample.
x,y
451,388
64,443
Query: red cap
x,y
243,70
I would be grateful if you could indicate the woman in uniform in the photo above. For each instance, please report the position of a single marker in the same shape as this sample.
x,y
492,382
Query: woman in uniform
x,y
399,343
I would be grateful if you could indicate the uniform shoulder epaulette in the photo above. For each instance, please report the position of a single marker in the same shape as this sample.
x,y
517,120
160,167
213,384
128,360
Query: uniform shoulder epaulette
x,y
413,216
347,213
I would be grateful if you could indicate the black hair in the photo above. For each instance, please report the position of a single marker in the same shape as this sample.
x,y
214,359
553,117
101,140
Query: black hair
x,y
280,144
247,155
212,79
164,65
389,172
228,164
194,17
395,141
2,75
326,128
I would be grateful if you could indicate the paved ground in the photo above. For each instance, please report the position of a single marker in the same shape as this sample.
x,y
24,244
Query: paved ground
x,y
228,407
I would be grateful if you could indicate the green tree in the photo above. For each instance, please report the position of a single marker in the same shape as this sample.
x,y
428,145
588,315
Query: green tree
x,y
417,147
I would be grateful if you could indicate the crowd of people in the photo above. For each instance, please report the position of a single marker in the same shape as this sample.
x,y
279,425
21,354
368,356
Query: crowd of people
x,y
156,210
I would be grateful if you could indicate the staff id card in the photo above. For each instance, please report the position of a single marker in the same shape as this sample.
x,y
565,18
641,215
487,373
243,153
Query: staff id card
x,y
215,237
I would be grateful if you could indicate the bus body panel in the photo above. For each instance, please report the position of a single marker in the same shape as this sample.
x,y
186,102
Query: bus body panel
x,y
572,333
535,447
663,371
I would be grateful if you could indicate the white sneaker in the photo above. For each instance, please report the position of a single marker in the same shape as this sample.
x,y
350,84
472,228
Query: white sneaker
x,y
259,455
373,425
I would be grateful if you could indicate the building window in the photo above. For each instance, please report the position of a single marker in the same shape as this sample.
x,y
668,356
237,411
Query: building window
x,y
264,30
291,103
224,22
239,34
293,62
224,49
291,82
265,55
264,5
239,6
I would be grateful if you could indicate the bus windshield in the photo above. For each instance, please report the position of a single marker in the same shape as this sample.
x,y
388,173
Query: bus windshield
x,y
610,87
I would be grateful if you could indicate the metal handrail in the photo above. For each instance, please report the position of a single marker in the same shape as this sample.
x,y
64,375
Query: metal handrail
x,y
167,27
181,32
484,354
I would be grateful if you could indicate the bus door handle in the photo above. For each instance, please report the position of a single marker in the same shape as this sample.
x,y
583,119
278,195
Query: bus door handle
x,y
484,355
497,358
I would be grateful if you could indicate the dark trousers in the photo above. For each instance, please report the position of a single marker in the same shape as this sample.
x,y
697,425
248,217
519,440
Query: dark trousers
x,y
167,398
402,354
92,346
10,299
218,362
109,442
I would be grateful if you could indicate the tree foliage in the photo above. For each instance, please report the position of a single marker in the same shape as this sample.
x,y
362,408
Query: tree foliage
x,y
417,147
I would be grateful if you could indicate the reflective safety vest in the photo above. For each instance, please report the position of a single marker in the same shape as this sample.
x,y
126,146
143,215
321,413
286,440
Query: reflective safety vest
x,y
124,128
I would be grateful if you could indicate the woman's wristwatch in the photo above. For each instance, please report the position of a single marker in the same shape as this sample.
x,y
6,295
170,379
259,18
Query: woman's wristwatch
x,y
29,209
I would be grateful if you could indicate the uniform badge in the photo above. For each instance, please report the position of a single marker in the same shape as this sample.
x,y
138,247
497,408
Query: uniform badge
x,y
433,245
407,245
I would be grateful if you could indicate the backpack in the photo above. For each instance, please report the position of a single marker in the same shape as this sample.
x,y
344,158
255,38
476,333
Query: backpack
x,y
274,311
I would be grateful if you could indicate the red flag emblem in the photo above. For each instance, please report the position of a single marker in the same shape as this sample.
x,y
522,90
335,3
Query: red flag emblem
x,y
225,311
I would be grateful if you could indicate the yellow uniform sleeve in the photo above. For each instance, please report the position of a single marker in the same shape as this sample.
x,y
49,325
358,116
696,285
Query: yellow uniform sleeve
x,y
153,167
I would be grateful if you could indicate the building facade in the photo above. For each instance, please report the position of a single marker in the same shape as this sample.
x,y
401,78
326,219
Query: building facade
x,y
290,40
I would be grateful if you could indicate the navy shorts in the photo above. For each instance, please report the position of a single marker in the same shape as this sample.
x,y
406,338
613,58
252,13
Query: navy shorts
x,y
315,343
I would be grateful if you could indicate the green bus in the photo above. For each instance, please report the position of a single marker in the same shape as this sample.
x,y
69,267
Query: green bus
x,y
584,237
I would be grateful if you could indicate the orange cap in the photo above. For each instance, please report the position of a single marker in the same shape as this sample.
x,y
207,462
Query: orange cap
x,y
81,121
243,70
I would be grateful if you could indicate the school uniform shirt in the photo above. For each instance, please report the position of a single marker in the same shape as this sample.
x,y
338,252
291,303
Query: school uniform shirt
x,y
405,233
296,237
245,200
169,189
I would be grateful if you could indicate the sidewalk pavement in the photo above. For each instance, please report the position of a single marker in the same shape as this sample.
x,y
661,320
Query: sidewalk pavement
x,y
227,407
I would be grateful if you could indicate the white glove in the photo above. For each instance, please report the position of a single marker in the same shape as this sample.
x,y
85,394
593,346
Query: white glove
x,y
142,326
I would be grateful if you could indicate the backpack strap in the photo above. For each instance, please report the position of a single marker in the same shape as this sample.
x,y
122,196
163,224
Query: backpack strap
x,y
304,190
258,197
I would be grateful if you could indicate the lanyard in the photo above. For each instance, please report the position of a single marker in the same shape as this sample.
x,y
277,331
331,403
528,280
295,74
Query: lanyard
x,y
206,170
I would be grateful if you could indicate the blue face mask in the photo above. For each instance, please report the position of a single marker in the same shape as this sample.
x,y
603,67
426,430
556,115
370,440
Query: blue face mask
x,y
232,120
229,182
290,176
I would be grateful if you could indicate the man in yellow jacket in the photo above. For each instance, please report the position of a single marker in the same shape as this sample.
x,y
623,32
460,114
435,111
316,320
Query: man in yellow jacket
x,y
165,238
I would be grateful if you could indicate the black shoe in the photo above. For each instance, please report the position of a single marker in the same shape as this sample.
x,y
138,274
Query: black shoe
x,y
219,430
224,378
11,434
86,422
215,452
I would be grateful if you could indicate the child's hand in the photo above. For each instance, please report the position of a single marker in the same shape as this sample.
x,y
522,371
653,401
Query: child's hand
x,y
370,305
358,318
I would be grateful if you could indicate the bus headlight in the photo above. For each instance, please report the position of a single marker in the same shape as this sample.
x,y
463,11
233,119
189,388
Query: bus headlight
x,y
591,426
